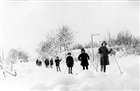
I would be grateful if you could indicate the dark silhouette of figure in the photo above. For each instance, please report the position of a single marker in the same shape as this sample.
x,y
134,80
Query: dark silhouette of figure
x,y
84,57
38,63
57,62
70,63
46,62
51,63
103,51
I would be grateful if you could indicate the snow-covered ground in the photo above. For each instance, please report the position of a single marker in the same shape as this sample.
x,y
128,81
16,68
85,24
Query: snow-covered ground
x,y
32,77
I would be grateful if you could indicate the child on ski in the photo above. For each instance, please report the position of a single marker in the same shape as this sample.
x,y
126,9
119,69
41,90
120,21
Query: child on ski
x,y
57,62
51,62
38,63
84,57
46,63
70,63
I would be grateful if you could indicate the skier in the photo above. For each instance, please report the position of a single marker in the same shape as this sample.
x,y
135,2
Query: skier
x,y
57,62
46,63
103,51
70,63
51,63
38,63
84,57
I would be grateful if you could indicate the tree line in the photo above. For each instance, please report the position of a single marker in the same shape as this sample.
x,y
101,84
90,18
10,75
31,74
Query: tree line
x,y
56,41
62,39
124,39
15,54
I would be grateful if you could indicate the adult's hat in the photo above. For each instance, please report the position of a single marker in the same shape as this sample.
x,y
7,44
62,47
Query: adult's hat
x,y
82,49
69,53
104,43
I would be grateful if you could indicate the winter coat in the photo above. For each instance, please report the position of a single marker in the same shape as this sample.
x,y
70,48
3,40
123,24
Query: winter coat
x,y
104,55
51,62
69,61
46,62
84,57
39,63
57,62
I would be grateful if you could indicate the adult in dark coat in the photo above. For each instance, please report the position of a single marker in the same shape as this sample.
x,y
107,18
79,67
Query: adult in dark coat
x,y
70,63
51,63
57,62
84,57
46,62
103,51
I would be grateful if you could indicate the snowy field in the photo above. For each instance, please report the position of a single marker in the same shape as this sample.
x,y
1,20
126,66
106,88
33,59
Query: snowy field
x,y
31,77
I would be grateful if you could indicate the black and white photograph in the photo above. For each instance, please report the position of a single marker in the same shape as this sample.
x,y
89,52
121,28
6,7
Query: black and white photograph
x,y
69,45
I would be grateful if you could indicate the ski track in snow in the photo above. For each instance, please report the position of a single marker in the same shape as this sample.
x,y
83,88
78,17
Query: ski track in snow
x,y
32,77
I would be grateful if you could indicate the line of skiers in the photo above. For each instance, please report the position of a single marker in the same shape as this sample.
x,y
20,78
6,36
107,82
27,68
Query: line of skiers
x,y
83,58
47,63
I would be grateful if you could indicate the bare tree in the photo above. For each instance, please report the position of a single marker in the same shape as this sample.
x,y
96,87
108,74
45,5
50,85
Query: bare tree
x,y
42,47
11,58
50,46
111,41
15,54
124,38
65,37
23,55
77,46
62,37
53,41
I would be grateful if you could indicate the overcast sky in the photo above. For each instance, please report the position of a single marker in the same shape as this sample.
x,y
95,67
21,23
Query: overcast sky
x,y
24,24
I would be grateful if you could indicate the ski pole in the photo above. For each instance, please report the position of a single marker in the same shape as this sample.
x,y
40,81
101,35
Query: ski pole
x,y
93,65
118,65
97,65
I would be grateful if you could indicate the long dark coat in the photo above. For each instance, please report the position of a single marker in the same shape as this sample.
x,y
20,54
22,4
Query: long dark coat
x,y
84,57
69,61
104,55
